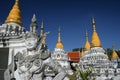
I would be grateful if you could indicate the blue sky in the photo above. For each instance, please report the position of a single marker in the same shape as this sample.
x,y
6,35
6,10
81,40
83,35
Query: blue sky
x,y
74,17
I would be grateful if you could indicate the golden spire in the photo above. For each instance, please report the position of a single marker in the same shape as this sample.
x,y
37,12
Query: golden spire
x,y
87,44
59,42
15,14
114,54
95,38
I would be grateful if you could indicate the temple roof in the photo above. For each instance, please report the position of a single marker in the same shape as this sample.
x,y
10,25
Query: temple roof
x,y
74,56
15,14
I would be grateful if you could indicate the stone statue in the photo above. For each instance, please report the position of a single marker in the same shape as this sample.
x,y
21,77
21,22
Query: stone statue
x,y
31,66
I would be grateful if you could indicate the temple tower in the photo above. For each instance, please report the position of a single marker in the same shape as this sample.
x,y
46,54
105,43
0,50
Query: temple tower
x,y
59,54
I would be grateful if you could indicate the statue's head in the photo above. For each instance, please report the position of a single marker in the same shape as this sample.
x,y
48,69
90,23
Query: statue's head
x,y
30,41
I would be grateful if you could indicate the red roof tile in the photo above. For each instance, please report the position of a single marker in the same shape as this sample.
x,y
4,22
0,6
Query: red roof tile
x,y
74,56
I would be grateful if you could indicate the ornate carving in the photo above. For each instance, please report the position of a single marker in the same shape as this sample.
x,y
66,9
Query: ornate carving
x,y
32,67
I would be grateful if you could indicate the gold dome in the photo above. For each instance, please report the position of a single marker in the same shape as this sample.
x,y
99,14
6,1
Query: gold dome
x,y
114,54
95,38
59,45
59,42
15,14
87,44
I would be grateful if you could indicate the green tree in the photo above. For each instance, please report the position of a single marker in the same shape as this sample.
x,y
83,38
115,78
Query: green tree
x,y
76,49
109,52
118,53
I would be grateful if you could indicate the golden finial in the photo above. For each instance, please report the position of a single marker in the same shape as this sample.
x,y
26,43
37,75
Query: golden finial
x,y
59,42
95,38
15,14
